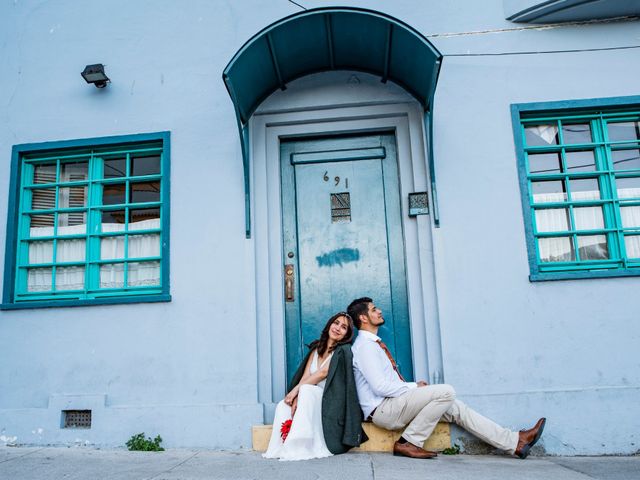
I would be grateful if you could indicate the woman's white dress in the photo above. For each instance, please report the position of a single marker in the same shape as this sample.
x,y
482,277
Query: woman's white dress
x,y
306,438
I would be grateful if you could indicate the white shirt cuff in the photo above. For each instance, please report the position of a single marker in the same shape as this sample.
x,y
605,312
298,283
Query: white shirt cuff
x,y
412,385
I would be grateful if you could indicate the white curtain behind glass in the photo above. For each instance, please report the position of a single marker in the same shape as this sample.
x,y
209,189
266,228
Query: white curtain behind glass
x,y
557,220
73,250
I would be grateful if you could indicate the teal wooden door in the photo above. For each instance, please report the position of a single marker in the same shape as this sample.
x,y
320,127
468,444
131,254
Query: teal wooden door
x,y
343,238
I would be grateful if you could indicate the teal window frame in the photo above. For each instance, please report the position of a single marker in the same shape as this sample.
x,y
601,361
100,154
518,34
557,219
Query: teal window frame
x,y
24,157
597,112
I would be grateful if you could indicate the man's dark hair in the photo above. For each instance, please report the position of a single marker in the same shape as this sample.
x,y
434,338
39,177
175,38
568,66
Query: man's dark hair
x,y
360,306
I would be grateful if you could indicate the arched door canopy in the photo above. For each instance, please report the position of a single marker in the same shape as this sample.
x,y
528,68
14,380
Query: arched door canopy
x,y
324,39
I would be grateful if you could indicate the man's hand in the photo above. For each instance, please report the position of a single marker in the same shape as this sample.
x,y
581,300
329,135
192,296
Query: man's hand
x,y
422,383
294,406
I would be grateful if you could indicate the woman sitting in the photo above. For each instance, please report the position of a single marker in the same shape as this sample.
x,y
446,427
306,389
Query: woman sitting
x,y
321,415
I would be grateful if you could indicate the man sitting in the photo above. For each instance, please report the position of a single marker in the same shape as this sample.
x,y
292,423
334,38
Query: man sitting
x,y
390,402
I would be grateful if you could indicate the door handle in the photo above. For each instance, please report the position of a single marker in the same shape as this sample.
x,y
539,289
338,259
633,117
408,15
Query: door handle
x,y
288,282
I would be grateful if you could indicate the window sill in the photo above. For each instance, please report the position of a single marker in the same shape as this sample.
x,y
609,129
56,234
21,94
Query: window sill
x,y
85,303
550,276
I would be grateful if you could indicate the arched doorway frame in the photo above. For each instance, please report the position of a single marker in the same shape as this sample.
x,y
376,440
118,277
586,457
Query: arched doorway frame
x,y
268,127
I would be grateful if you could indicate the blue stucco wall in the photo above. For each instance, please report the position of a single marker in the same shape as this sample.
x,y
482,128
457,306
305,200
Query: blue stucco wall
x,y
187,369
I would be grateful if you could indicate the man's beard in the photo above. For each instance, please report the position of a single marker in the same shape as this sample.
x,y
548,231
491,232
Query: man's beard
x,y
377,324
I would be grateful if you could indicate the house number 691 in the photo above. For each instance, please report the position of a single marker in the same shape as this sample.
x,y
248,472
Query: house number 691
x,y
336,179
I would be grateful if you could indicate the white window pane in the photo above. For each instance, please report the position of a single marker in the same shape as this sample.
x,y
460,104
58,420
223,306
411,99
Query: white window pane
x,y
559,249
628,187
144,274
630,217
39,279
632,245
144,245
73,250
111,248
552,220
69,278
41,252
588,218
593,247
112,275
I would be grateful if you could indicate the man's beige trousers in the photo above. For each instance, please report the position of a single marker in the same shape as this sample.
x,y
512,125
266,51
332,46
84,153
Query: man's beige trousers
x,y
420,409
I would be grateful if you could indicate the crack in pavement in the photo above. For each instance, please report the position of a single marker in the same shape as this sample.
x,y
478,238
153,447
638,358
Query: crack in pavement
x,y
173,467
20,456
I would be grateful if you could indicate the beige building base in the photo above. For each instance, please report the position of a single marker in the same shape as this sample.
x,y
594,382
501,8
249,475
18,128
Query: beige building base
x,y
380,440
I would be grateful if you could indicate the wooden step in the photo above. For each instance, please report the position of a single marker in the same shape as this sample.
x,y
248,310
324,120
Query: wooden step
x,y
380,440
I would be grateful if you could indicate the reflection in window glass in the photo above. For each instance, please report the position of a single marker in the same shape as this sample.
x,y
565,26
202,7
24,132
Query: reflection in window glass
x,y
149,165
558,249
541,135
625,159
628,187
623,131
582,161
584,189
113,221
145,192
593,247
576,133
632,245
115,167
548,191
552,220
544,163
113,194
144,218
588,218
630,217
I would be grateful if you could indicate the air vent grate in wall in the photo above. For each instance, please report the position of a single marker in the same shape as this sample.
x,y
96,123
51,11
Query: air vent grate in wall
x,y
76,418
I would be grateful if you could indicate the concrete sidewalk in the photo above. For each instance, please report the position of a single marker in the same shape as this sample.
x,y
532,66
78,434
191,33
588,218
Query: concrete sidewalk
x,y
82,463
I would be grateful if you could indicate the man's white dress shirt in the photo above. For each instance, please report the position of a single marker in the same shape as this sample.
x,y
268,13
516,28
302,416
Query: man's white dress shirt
x,y
375,377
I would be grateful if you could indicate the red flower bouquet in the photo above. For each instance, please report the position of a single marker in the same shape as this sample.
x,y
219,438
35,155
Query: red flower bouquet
x,y
284,429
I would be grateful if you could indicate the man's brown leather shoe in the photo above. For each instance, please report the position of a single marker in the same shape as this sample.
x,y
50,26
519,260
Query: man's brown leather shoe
x,y
528,438
410,450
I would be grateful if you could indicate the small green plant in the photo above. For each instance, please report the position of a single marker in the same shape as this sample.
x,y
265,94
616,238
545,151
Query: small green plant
x,y
452,450
138,442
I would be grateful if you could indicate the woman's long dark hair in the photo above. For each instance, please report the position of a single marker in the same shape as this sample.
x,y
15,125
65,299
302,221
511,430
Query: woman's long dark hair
x,y
322,343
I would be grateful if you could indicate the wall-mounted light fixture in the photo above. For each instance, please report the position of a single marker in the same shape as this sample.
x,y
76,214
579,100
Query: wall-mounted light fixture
x,y
95,74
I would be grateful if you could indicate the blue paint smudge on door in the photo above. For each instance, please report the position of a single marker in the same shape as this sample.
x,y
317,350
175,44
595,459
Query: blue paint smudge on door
x,y
338,257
